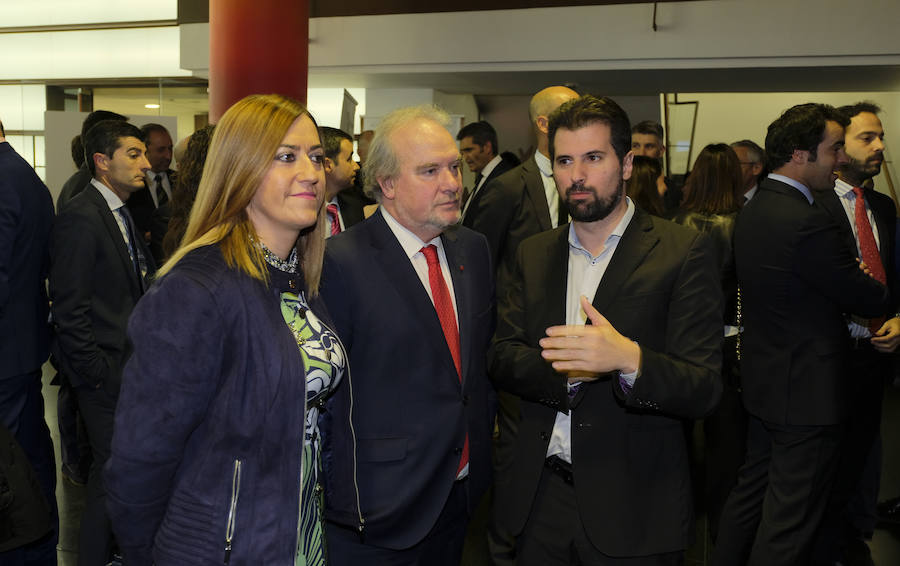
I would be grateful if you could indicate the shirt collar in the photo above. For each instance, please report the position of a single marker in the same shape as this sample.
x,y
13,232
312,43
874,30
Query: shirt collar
x,y
112,199
616,233
843,189
794,183
543,163
410,243
486,170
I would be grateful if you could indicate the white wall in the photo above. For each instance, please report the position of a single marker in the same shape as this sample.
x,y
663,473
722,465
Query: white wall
x,y
727,117
699,34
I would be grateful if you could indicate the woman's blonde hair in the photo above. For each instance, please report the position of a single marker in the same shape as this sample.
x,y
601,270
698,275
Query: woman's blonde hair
x,y
243,146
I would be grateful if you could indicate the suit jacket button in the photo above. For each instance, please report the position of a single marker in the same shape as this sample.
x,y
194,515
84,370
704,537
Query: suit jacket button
x,y
457,450
465,399
544,436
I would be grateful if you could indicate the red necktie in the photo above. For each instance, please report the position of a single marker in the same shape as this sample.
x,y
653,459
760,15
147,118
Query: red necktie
x,y
335,221
868,249
444,307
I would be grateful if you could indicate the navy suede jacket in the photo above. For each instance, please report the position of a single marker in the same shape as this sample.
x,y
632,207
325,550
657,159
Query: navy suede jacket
x,y
205,464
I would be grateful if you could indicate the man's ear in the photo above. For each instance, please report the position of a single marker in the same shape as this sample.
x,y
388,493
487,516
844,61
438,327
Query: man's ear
x,y
627,162
543,124
101,162
800,156
328,164
387,186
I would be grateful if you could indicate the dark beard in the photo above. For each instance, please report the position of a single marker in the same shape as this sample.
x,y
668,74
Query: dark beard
x,y
857,171
597,209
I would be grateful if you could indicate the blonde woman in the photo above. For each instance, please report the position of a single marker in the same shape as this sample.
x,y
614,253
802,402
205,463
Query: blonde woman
x,y
215,447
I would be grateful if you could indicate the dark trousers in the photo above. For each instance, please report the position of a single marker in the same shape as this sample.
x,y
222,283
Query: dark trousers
x,y
95,538
442,546
857,480
725,442
772,514
501,544
22,413
74,448
554,535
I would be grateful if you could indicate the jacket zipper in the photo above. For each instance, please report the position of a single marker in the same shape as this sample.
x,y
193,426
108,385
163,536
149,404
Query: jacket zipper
x,y
362,522
235,491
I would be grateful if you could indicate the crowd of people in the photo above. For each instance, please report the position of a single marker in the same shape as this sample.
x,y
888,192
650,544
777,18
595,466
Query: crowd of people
x,y
279,355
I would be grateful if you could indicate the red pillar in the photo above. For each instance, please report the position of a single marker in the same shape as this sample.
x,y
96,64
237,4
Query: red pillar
x,y
256,47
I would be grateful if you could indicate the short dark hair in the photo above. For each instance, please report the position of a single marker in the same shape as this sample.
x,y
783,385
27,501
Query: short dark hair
x,y
586,110
77,151
2,131
799,127
851,110
331,141
651,128
148,129
105,137
481,133
99,116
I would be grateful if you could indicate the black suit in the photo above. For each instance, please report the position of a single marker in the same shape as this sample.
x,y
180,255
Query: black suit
x,y
26,218
630,464
73,185
797,280
869,370
409,413
352,202
507,210
474,200
94,286
142,206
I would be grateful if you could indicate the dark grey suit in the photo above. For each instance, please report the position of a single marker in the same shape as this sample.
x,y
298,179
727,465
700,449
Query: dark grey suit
x,y
94,286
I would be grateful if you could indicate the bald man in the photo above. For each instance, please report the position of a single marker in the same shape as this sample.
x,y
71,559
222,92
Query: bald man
x,y
523,201
519,203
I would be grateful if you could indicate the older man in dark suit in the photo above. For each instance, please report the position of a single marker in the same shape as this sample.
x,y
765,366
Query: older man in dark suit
x,y
797,279
610,333
26,218
100,267
407,436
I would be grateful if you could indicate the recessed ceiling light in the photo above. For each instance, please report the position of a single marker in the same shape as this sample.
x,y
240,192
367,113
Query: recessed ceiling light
x,y
152,106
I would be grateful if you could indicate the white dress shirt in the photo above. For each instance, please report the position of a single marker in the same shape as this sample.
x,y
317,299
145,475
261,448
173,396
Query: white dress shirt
x,y
859,327
584,275
543,163
151,184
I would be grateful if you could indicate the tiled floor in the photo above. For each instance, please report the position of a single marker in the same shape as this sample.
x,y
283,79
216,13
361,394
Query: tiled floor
x,y
885,545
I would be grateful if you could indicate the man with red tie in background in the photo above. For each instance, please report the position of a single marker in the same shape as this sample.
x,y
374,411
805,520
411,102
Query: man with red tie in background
x,y
342,210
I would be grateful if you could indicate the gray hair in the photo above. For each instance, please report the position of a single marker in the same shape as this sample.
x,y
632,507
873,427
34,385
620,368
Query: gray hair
x,y
382,161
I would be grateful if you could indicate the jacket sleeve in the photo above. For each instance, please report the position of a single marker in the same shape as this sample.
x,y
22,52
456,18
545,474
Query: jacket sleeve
x,y
10,215
495,213
515,361
685,379
167,387
72,270
824,263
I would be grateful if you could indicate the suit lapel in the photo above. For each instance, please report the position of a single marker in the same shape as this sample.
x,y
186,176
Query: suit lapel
x,y
534,186
637,241
554,278
399,270
456,262
831,202
115,235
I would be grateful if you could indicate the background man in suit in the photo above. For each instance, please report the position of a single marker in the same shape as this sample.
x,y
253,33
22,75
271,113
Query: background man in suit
x,y
797,279
411,295
159,180
344,209
753,164
648,139
868,221
600,466
478,146
523,201
99,269
26,217
80,179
